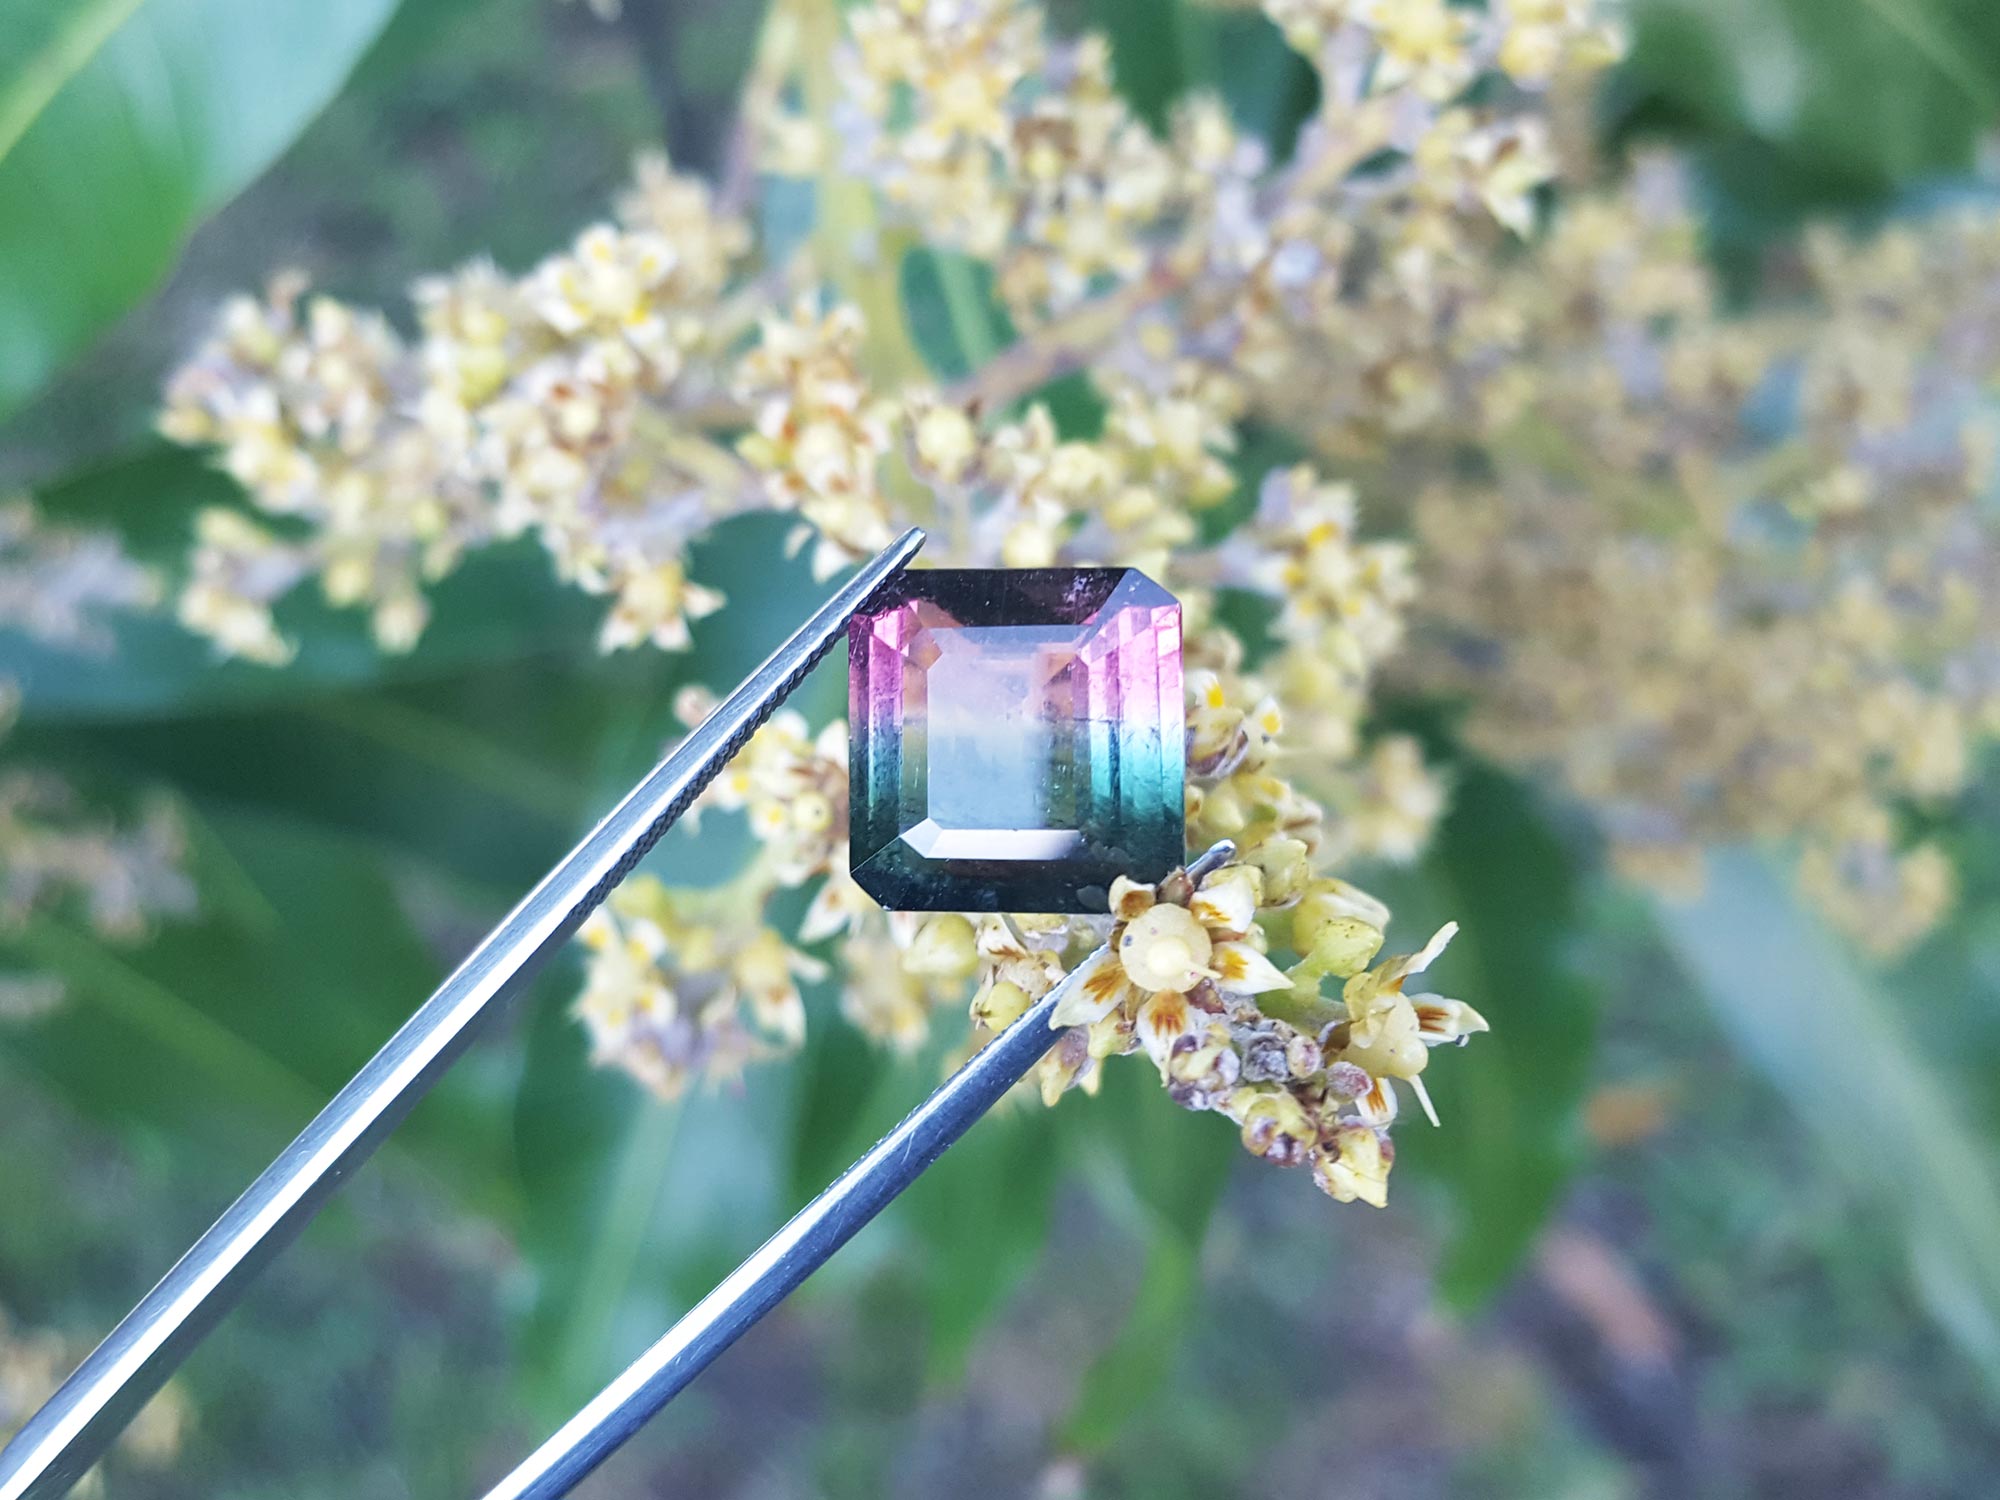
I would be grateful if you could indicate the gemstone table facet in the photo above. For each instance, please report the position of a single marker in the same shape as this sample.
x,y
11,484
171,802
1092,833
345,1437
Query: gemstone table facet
x,y
1017,738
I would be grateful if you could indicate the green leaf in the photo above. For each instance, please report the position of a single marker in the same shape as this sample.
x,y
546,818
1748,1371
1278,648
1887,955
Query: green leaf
x,y
41,48
981,1216
632,1209
842,1077
589,1154
1166,1168
1844,1054
231,1030
502,604
1172,1163
1124,1379
1150,52
123,127
451,775
1509,1099
1271,89
954,316
1164,50
1797,108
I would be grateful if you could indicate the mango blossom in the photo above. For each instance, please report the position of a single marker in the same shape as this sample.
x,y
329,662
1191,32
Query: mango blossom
x,y
1186,979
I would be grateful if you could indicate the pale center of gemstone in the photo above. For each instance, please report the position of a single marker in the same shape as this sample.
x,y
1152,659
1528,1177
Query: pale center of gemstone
x,y
1000,714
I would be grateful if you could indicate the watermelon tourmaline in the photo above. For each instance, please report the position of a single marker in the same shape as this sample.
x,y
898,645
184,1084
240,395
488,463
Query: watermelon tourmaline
x,y
1016,738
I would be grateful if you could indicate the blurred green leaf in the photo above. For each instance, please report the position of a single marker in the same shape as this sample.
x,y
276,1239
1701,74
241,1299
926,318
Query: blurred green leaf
x,y
590,1154
450,774
695,57
633,1209
1794,108
1509,1099
1169,1166
41,48
1174,1162
231,1030
1271,90
1144,1357
1163,50
841,1076
124,124
1150,60
981,1214
503,603
1844,1054
954,317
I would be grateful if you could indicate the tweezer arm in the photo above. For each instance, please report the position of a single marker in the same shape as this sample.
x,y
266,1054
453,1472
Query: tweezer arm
x,y
69,1434
788,1257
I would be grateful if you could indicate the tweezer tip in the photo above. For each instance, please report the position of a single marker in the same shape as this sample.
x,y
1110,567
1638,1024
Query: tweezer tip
x,y
1213,858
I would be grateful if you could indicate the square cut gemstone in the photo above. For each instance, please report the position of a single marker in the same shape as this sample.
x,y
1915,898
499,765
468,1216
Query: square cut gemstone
x,y
1017,738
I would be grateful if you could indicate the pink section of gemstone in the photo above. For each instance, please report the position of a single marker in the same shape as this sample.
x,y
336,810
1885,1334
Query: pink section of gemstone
x,y
1017,738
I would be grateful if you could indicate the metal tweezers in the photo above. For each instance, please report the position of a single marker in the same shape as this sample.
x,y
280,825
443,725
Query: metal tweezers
x,y
72,1430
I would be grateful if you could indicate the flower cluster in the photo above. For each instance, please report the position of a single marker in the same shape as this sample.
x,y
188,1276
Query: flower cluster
x,y
33,1362
63,587
619,398
820,435
1007,144
60,585
1736,579
53,850
680,987
533,406
1308,1080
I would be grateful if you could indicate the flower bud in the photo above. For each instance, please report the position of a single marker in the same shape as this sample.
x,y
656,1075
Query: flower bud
x,y
1202,1068
1394,1046
945,948
1264,1059
1223,812
1343,945
1303,1056
945,443
1286,864
999,1005
1339,899
812,812
1344,1080
1275,1126
1354,1165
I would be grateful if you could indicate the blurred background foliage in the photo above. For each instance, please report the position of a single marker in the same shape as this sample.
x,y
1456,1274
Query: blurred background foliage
x,y
1645,1257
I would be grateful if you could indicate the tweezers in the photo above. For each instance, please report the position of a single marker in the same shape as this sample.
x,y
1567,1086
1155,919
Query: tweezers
x,y
72,1430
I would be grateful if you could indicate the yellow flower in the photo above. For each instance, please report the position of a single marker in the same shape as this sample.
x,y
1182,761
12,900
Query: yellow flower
x,y
1424,42
1382,1022
945,949
880,999
670,996
1354,1165
1388,1034
1162,949
654,604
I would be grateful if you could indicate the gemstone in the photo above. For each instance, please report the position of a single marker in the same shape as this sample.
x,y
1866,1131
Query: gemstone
x,y
1017,738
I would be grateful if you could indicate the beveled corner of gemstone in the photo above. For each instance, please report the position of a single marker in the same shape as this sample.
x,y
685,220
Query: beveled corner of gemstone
x,y
1017,738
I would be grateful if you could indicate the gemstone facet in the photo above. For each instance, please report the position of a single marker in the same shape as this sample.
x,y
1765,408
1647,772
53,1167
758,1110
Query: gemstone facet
x,y
1017,738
